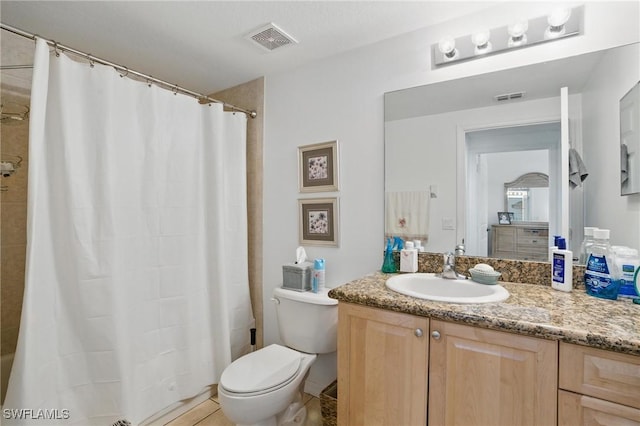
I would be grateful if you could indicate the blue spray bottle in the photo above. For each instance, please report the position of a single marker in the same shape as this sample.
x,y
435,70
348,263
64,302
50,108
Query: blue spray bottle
x,y
389,265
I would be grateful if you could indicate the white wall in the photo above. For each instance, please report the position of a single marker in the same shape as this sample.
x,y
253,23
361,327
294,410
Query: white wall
x,y
507,166
342,98
601,133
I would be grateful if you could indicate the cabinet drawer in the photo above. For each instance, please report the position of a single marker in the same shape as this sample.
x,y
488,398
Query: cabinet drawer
x,y
575,409
533,237
602,374
541,233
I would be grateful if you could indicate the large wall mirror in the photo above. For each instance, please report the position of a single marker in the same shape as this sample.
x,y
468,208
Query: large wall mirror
x,y
460,144
630,141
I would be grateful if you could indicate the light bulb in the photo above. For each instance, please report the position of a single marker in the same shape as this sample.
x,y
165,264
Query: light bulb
x,y
517,32
559,17
481,41
448,48
556,21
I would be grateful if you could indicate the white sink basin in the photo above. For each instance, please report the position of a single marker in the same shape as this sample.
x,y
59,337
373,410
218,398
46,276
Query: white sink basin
x,y
432,287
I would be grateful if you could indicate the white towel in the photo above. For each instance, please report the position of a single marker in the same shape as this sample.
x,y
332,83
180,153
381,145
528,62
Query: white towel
x,y
407,215
577,170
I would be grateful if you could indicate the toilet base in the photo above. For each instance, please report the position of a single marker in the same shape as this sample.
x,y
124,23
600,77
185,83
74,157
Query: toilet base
x,y
294,415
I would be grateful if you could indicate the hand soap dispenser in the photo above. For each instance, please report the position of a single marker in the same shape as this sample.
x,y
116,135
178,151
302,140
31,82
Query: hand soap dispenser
x,y
389,265
409,258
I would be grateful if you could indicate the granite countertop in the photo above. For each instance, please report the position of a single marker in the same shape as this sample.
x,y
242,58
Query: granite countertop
x,y
535,310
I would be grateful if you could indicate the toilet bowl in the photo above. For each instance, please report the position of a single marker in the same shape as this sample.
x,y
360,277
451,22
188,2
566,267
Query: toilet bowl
x,y
264,388
258,387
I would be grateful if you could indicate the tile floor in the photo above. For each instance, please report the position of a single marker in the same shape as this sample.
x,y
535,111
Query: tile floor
x,y
209,413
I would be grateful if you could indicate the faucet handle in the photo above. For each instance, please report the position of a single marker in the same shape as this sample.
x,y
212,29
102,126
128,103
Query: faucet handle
x,y
449,258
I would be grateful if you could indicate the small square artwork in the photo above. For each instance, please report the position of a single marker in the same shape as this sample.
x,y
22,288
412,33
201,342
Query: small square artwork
x,y
318,167
318,221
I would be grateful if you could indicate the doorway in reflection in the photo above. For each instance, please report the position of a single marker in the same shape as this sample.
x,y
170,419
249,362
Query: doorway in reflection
x,y
512,169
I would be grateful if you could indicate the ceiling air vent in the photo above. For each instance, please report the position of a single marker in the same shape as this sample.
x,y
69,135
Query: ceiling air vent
x,y
509,96
270,37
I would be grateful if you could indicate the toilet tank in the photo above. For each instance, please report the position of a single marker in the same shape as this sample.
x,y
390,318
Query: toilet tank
x,y
308,322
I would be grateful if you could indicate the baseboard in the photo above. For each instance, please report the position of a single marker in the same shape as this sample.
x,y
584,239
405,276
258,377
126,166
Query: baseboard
x,y
313,388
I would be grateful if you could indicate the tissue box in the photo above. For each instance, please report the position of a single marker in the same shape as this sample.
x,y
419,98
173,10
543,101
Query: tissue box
x,y
297,276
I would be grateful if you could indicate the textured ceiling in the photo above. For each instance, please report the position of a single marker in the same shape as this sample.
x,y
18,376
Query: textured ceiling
x,y
201,45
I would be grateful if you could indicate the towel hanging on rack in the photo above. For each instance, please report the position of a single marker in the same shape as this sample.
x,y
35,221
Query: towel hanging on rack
x,y
577,170
407,215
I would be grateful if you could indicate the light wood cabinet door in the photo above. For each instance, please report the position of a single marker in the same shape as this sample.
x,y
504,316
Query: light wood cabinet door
x,y
602,374
382,367
576,410
485,377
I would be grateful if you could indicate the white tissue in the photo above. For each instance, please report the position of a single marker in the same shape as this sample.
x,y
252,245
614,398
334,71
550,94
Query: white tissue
x,y
301,255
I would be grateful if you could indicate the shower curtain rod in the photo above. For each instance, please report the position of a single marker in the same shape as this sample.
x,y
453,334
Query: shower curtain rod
x,y
15,67
92,59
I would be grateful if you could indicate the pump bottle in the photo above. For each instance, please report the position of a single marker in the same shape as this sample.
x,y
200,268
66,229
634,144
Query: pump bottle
x,y
562,267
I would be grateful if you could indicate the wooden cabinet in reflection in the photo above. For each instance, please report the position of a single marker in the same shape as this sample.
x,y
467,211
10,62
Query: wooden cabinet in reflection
x,y
525,241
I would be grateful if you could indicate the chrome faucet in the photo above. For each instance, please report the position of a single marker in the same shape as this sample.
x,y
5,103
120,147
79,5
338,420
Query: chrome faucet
x,y
449,268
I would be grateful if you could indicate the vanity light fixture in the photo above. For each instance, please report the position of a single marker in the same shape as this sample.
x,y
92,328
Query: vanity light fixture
x,y
521,33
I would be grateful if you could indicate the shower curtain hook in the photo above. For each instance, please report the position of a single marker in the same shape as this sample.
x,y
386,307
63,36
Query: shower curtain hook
x,y
149,81
55,48
91,63
126,72
175,89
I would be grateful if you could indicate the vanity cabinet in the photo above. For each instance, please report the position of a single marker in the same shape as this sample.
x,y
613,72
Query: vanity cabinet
x,y
487,377
520,241
390,365
598,387
382,367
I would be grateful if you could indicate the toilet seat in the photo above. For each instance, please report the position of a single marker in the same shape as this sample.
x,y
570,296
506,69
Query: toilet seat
x,y
262,371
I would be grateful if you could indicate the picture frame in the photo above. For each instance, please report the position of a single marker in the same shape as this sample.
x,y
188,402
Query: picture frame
x,y
318,167
505,218
318,221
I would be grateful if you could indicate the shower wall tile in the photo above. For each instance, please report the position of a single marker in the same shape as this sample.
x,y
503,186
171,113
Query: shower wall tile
x,y
14,223
14,142
9,339
13,220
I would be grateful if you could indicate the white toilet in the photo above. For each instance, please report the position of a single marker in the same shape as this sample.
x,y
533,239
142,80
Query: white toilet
x,y
265,387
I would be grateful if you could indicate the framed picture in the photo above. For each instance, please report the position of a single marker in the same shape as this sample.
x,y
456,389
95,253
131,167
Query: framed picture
x,y
318,167
505,218
318,221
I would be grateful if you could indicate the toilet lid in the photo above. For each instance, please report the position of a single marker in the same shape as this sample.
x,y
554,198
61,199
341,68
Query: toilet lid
x,y
261,370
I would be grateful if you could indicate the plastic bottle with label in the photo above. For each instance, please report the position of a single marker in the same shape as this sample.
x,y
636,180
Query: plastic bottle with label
x,y
317,278
585,247
601,276
562,267
408,258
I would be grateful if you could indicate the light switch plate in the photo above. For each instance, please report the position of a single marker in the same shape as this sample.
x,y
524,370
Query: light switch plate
x,y
447,223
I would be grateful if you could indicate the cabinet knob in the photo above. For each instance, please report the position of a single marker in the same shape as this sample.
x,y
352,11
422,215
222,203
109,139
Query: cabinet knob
x,y
435,334
418,332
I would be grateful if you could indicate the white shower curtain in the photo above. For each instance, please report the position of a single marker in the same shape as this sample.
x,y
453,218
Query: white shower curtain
x,y
136,292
